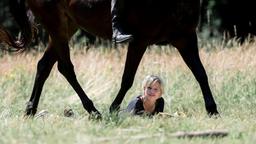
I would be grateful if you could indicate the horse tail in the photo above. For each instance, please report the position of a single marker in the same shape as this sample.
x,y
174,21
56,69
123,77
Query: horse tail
x,y
25,20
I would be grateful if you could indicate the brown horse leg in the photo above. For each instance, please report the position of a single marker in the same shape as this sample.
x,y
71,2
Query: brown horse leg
x,y
133,58
44,67
188,49
66,68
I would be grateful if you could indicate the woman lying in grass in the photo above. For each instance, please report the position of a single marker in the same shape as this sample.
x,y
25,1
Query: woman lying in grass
x,y
151,101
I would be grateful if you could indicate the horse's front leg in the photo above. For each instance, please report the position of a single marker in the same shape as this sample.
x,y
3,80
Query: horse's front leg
x,y
133,58
44,67
188,48
66,68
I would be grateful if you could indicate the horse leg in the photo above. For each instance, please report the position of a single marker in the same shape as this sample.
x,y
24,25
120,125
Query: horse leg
x,y
188,48
133,58
66,68
44,67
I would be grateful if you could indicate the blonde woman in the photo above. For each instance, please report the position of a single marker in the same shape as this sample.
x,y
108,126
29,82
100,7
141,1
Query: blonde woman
x,y
151,101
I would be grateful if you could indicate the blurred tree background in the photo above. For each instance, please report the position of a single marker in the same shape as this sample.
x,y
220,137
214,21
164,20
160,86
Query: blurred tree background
x,y
5,17
225,18
229,18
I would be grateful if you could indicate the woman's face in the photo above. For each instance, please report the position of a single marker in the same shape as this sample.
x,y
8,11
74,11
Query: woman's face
x,y
153,91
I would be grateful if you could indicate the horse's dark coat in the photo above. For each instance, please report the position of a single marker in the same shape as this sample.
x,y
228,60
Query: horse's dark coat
x,y
150,21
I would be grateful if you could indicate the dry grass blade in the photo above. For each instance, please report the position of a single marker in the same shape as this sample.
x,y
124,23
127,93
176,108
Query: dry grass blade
x,y
208,133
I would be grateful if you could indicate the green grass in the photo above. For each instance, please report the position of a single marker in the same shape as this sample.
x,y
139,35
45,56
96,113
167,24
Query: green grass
x,y
231,73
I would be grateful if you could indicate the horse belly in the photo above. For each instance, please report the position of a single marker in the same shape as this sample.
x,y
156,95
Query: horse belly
x,y
93,17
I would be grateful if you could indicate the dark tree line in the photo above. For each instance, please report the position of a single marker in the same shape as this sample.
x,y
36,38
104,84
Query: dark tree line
x,y
235,18
5,17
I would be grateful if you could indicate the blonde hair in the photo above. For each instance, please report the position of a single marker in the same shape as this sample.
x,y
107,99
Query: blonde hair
x,y
150,79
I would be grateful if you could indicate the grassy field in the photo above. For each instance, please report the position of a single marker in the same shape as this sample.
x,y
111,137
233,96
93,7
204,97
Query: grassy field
x,y
231,71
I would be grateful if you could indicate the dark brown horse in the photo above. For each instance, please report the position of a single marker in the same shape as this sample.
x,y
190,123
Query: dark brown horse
x,y
150,21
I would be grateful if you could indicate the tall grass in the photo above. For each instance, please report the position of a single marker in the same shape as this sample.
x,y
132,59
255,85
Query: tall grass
x,y
231,73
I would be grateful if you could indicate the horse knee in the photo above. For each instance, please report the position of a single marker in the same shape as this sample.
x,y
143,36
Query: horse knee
x,y
65,68
127,84
43,69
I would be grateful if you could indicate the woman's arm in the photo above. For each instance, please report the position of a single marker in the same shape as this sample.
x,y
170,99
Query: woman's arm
x,y
135,106
159,105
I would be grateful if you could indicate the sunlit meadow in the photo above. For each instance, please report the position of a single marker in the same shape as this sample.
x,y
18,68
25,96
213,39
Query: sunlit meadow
x,y
231,72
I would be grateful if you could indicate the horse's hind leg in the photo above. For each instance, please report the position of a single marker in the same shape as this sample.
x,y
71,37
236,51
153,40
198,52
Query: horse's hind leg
x,y
133,58
66,68
44,67
188,49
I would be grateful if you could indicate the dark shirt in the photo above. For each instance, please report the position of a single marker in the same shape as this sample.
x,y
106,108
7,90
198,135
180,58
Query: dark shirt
x,y
135,106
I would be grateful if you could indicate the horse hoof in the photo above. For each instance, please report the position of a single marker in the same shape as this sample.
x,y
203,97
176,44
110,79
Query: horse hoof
x,y
213,114
114,109
95,116
212,110
29,114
